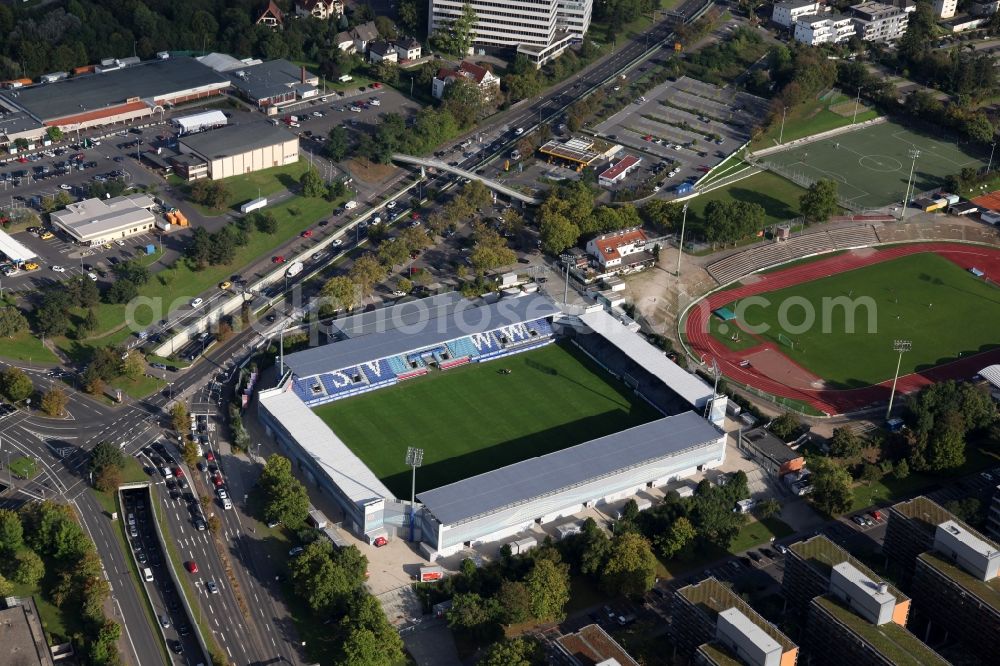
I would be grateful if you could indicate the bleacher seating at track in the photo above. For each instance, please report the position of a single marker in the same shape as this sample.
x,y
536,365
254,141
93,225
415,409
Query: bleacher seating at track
x,y
484,342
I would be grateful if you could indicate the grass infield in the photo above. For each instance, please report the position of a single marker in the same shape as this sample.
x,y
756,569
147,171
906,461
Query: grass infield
x,y
925,298
472,419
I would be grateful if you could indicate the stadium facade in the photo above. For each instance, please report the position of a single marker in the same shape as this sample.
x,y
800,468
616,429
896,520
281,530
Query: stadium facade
x,y
382,348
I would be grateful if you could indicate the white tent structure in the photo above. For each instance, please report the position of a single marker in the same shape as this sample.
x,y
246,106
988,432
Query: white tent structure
x,y
200,121
13,250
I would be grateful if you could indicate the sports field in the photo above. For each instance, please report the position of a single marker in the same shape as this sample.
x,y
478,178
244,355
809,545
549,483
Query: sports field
x,y
473,419
872,165
944,310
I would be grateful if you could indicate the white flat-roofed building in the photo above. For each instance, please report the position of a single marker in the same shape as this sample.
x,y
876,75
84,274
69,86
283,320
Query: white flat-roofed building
x,y
831,28
869,599
97,221
974,555
751,644
200,121
945,8
540,29
785,13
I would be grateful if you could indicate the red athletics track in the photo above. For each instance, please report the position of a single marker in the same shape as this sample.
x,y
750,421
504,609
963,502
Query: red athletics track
x,y
834,401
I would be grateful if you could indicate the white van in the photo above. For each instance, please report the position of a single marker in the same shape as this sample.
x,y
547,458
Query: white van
x,y
227,503
346,78
147,575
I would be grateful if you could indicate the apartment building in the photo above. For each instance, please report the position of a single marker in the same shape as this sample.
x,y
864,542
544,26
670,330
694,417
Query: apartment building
x,y
911,530
945,8
712,625
809,567
786,13
539,29
880,22
816,29
955,586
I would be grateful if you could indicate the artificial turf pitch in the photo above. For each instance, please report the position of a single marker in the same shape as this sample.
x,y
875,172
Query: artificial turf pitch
x,y
925,298
473,419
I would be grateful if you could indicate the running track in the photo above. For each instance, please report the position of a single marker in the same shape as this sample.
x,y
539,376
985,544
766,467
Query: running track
x,y
841,401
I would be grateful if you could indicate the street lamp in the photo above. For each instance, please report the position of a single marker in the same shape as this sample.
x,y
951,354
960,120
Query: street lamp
x,y
989,166
414,458
901,347
680,245
781,134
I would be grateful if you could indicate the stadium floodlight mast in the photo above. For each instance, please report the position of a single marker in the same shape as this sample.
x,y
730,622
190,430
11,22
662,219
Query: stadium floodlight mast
x,y
901,347
914,154
680,245
414,458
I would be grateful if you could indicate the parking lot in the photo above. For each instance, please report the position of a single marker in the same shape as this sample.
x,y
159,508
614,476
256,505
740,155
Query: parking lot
x,y
693,124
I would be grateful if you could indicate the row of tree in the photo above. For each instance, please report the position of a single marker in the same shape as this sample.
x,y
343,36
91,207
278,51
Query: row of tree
x,y
16,385
568,213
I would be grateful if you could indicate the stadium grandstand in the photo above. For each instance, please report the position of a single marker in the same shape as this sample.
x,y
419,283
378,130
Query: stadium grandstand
x,y
381,348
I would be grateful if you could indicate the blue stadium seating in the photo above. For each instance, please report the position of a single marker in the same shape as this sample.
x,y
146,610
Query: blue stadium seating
x,y
378,371
541,327
398,365
463,347
484,342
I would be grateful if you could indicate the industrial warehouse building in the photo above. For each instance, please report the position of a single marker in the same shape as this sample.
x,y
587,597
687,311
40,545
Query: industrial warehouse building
x,y
117,95
97,221
239,149
373,353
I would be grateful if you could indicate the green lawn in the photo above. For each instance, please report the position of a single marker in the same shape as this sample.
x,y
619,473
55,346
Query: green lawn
x,y
263,183
58,627
26,347
139,388
922,297
473,419
24,468
757,532
779,197
811,117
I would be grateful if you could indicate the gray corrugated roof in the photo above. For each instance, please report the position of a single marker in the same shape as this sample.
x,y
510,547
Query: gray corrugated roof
x,y
267,79
396,316
236,139
421,335
92,92
535,477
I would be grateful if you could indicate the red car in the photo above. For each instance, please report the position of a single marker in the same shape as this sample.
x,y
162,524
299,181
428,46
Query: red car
x,y
307,233
179,473
22,160
648,137
210,457
376,85
217,480
191,566
380,541
278,260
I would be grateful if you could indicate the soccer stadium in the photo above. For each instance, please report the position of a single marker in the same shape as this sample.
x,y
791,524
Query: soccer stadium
x,y
578,410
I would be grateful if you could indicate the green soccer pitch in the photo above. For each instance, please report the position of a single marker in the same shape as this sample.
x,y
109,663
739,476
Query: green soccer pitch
x,y
871,165
473,419
921,297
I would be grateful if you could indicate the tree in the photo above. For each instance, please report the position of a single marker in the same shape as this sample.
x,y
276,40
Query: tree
x,y
107,479
106,454
134,365
12,322
366,272
513,652
901,470
464,99
489,250
457,37
871,473
631,567
767,508
594,548
337,143
946,445
179,418
51,316
317,578
6,587
54,401
11,531
515,602
785,427
392,253
284,497
15,384
211,193
88,325
190,453
267,223
558,233
474,614
133,271
340,292
819,201
28,568
312,184
121,291
54,133
844,443
674,540
831,487
548,584
941,416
